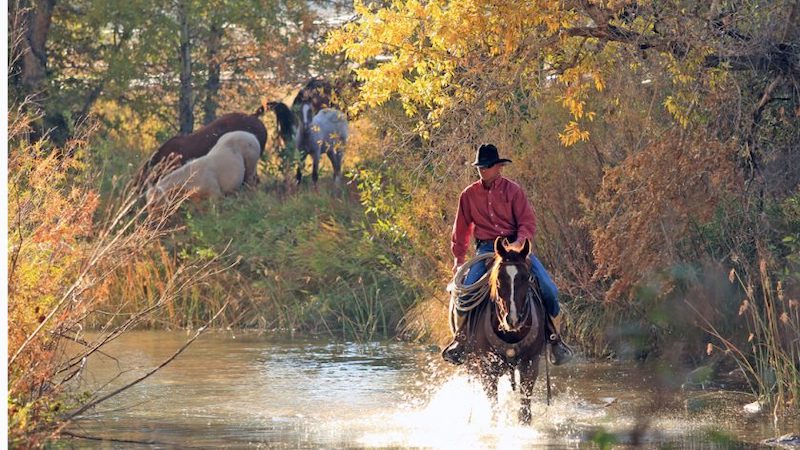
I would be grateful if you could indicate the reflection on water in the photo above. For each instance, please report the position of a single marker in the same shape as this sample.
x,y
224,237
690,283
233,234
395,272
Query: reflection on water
x,y
242,390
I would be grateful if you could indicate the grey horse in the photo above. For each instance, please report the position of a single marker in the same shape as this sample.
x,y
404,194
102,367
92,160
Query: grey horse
x,y
326,132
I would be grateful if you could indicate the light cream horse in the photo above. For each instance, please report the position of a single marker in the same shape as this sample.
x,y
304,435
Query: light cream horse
x,y
231,162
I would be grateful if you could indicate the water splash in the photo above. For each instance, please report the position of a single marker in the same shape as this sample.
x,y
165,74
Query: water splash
x,y
457,415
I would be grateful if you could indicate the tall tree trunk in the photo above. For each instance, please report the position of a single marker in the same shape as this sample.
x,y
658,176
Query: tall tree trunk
x,y
33,56
213,83
185,114
791,30
29,32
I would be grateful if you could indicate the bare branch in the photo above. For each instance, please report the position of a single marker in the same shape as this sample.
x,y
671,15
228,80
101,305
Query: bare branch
x,y
177,353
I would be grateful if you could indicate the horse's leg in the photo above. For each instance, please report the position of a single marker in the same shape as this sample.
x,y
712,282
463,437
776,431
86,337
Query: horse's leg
x,y
315,166
528,372
250,172
339,154
212,191
249,178
340,162
335,156
489,376
300,164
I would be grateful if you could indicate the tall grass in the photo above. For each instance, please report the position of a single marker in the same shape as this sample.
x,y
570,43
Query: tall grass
x,y
300,263
65,257
771,356
143,279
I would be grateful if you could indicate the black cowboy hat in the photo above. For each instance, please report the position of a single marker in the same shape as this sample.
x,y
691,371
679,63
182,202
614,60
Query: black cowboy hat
x,y
487,156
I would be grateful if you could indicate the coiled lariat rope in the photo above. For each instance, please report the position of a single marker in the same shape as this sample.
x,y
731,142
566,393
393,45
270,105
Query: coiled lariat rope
x,y
469,297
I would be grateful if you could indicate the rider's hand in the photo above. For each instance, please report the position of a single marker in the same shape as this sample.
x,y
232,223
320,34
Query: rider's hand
x,y
457,265
516,245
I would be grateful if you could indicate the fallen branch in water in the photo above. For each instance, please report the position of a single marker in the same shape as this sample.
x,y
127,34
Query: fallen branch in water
x,y
119,390
121,441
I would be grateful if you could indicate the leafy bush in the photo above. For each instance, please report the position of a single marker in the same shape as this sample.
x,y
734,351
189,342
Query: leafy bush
x,y
64,257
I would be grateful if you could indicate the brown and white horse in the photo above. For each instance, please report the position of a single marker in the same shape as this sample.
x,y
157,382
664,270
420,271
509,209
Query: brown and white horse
x,y
316,132
507,333
181,149
230,163
316,127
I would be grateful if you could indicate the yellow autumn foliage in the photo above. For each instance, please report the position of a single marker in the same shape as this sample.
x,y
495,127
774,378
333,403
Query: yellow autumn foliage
x,y
432,55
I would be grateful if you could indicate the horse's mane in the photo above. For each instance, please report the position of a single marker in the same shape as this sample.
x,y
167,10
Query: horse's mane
x,y
284,116
494,276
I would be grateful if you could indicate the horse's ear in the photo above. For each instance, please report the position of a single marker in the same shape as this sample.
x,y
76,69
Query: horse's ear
x,y
499,247
526,248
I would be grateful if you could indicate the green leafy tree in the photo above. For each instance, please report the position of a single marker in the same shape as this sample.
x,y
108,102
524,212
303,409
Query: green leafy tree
x,y
73,54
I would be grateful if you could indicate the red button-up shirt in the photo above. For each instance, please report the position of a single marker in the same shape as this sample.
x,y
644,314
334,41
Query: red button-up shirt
x,y
500,210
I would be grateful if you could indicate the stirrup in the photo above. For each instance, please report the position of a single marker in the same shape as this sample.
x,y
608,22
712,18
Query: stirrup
x,y
560,352
454,353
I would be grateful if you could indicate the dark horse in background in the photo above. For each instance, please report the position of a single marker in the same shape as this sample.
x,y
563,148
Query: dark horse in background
x,y
507,332
180,149
318,94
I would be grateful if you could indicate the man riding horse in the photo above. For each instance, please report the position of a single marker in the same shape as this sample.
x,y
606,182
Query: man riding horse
x,y
493,207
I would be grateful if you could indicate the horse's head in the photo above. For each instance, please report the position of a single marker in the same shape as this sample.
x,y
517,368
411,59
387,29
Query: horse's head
x,y
306,114
317,92
509,283
303,129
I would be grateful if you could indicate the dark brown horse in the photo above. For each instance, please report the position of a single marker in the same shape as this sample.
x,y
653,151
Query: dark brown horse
x,y
506,333
181,149
317,93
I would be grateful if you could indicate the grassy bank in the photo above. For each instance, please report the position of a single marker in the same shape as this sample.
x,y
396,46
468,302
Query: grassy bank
x,y
294,263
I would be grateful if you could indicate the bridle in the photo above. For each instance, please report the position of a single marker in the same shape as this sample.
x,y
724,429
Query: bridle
x,y
501,311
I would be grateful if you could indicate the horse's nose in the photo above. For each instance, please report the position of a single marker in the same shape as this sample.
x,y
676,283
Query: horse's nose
x,y
512,319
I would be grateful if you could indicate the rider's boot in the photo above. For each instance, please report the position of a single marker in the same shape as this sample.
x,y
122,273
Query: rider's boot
x,y
560,353
455,352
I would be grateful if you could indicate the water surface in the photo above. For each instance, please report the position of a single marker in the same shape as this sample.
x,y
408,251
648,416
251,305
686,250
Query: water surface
x,y
235,390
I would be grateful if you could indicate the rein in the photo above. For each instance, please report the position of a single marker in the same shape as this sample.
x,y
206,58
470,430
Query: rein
x,y
528,306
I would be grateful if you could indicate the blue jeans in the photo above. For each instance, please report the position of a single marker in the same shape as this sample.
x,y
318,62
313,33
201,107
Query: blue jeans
x,y
546,286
